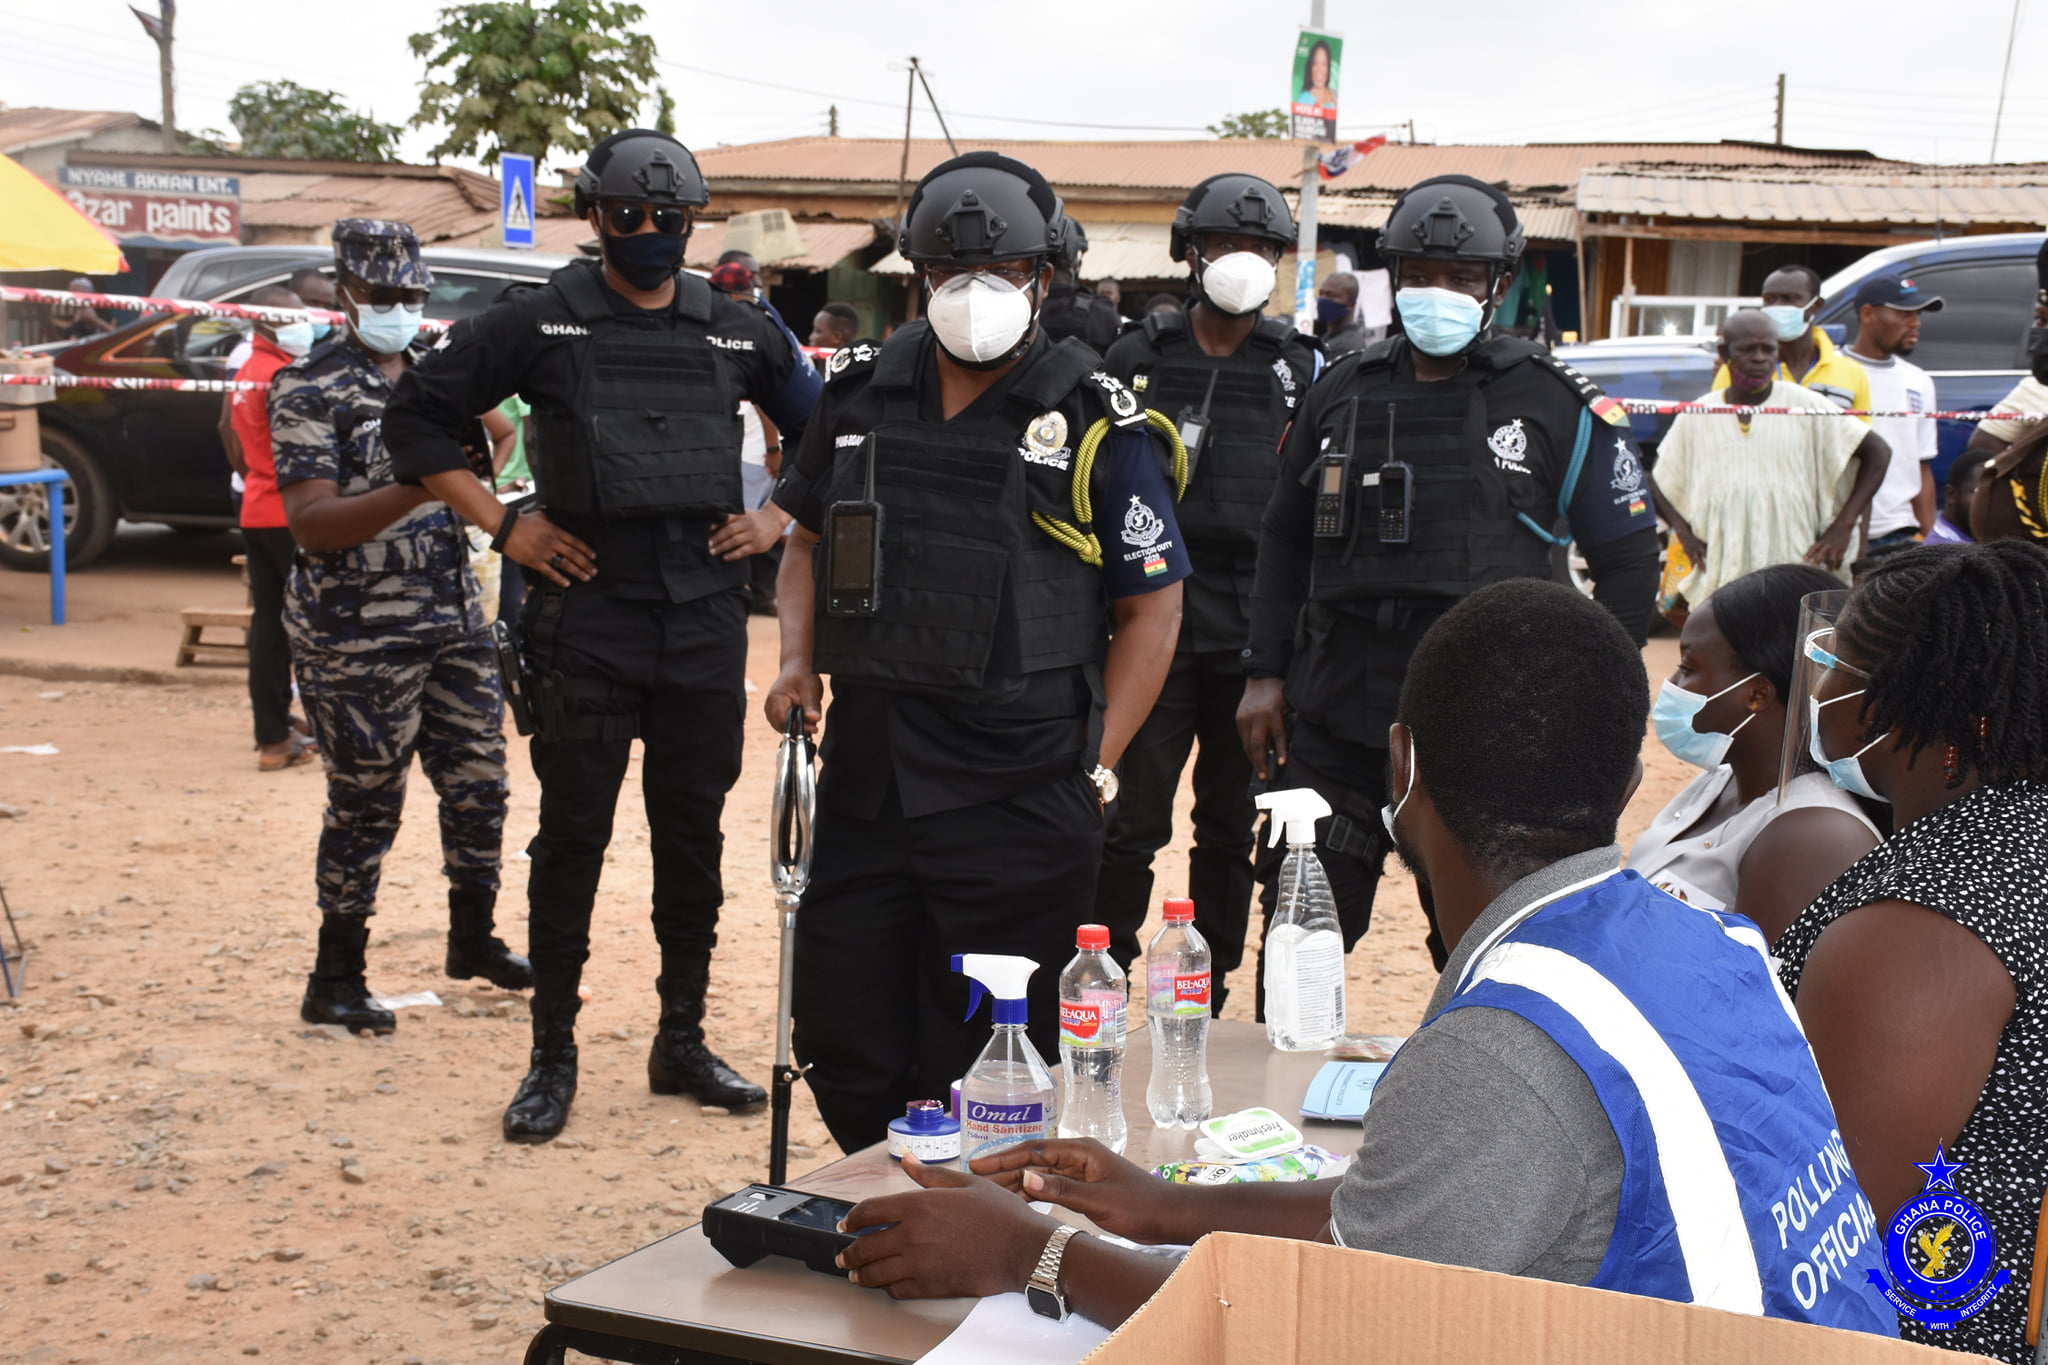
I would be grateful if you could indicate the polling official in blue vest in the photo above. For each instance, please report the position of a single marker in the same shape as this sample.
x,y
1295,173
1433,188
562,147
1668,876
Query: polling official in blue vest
x,y
1608,1089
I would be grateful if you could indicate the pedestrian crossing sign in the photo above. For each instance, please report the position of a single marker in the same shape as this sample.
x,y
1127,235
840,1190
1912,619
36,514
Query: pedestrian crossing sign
x,y
516,201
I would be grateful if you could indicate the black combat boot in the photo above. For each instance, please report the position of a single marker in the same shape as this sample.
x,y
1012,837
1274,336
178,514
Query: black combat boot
x,y
680,1063
473,950
541,1107
335,992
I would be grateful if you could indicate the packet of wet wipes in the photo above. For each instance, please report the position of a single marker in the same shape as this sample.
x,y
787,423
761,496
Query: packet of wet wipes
x,y
1247,1135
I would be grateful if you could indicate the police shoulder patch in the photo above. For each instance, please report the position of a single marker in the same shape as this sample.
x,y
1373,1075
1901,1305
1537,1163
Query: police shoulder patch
x,y
1608,410
847,357
1122,403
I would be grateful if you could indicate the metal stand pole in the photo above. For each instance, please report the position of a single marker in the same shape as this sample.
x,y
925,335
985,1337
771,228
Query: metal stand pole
x,y
789,864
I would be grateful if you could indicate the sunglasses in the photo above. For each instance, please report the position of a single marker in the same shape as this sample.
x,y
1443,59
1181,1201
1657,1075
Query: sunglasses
x,y
625,219
1826,660
1019,277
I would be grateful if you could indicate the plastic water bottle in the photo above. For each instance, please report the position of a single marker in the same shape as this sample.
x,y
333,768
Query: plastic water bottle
x,y
1007,1096
1302,962
1092,1003
1177,1006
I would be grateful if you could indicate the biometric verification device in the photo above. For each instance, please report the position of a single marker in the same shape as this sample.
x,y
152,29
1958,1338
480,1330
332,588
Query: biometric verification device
x,y
768,1220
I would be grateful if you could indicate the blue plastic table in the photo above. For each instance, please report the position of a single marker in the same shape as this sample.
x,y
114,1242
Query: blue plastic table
x,y
53,479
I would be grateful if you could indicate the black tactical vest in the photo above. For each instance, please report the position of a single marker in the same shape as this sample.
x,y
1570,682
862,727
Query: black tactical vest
x,y
973,593
655,430
1463,530
1233,475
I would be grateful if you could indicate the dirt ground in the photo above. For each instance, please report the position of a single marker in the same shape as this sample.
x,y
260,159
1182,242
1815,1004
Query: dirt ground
x,y
188,1173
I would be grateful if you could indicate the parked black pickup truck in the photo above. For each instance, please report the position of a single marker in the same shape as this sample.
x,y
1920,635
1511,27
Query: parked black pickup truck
x,y
157,457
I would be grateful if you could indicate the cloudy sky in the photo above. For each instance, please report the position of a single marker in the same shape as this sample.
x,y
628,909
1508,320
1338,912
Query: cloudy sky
x,y
1903,80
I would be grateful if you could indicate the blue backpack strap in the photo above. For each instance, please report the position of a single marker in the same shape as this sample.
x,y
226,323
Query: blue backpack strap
x,y
1580,445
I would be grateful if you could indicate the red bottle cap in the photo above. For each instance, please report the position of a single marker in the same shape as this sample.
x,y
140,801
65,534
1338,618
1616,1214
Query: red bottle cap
x,y
1179,911
1092,937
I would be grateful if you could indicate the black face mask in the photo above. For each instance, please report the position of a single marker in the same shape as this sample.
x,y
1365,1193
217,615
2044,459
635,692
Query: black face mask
x,y
2037,353
645,259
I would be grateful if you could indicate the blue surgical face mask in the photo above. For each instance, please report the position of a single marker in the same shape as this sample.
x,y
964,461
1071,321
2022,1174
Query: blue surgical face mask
x,y
1387,813
294,338
1791,322
1440,322
1673,716
1846,772
387,330
320,331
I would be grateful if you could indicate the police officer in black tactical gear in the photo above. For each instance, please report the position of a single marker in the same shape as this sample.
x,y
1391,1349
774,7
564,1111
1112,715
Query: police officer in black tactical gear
x,y
1229,377
635,371
1071,309
995,596
1432,463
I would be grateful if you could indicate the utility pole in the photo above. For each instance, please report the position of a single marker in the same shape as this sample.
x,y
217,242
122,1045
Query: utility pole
x,y
159,27
1779,139
1305,242
1411,132
951,146
1999,119
903,167
832,121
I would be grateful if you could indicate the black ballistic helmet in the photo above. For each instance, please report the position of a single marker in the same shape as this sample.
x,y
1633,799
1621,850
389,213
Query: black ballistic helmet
x,y
640,164
1231,202
982,207
1073,245
1455,216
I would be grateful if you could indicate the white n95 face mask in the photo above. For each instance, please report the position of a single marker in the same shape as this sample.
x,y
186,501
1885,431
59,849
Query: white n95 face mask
x,y
979,318
1239,282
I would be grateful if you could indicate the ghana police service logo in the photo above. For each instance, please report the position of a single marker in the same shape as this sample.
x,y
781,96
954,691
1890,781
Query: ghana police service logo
x,y
1940,1249
1510,446
1142,526
1628,470
847,355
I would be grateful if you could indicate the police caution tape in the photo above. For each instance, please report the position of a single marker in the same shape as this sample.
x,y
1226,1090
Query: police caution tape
x,y
1649,407
94,381
14,293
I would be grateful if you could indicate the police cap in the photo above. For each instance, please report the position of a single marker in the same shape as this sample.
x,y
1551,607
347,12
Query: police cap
x,y
1231,202
1454,216
641,165
981,207
379,251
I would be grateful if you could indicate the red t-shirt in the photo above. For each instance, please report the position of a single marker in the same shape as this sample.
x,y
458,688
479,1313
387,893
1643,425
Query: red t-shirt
x,y
261,503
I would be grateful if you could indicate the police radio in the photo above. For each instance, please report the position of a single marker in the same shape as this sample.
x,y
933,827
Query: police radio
x,y
1397,492
1194,426
1333,495
853,550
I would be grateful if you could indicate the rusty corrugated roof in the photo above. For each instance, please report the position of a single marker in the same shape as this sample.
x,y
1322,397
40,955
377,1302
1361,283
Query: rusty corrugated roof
x,y
1964,196
21,129
1173,166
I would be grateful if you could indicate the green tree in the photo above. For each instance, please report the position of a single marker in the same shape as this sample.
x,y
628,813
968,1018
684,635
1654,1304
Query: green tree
x,y
513,76
285,119
1257,123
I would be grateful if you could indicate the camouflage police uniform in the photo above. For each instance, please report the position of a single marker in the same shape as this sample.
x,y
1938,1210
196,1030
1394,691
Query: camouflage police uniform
x,y
388,637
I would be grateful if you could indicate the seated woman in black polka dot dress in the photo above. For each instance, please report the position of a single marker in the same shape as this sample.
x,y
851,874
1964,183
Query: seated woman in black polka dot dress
x,y
1921,973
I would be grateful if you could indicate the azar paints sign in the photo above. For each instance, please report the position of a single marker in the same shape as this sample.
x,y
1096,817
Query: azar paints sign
x,y
157,208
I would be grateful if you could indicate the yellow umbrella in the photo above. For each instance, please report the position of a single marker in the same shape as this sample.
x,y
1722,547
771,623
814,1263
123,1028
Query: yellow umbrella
x,y
42,230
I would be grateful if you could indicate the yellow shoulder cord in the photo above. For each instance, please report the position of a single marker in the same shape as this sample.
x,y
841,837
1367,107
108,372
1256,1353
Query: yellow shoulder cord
x,y
1088,546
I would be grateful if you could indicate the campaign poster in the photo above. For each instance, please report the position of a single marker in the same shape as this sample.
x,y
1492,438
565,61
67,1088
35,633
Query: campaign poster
x,y
1312,106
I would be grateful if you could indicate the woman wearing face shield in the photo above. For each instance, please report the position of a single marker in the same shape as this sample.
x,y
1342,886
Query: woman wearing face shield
x,y
1921,973
1727,841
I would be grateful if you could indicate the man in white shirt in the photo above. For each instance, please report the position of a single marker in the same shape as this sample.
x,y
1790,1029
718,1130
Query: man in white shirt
x,y
1888,309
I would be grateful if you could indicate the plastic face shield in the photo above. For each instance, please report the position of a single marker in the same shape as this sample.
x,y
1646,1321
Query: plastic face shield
x,y
1816,671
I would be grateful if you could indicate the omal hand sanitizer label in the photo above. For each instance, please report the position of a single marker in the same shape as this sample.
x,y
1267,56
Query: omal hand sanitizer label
x,y
990,1127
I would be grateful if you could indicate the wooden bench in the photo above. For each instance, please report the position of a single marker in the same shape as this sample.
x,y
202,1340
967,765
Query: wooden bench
x,y
196,651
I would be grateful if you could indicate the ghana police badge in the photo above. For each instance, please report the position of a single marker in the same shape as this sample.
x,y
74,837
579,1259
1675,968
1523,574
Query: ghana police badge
x,y
1045,440
1941,1252
1122,401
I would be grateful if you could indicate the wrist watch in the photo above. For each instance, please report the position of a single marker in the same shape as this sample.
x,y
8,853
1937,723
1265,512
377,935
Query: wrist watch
x,y
1042,1290
1105,783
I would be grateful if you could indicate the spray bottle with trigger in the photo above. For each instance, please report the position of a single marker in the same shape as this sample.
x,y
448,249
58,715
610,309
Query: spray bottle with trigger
x,y
1007,1096
1303,958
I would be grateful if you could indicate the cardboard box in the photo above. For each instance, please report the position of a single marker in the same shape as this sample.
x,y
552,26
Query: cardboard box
x,y
1237,1300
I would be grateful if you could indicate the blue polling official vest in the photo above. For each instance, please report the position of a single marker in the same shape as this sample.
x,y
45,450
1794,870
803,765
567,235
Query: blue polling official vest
x,y
1736,1192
